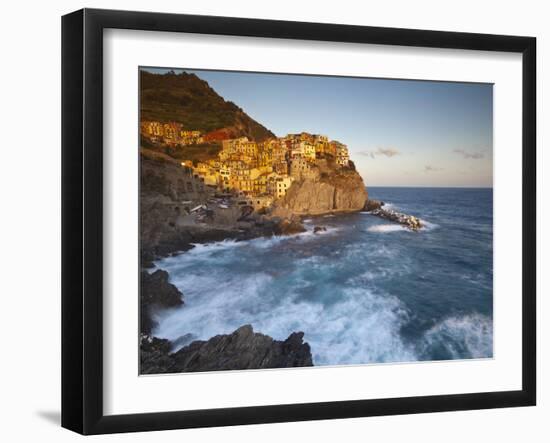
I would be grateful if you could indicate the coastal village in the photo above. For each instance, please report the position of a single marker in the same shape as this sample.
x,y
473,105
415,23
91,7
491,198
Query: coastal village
x,y
210,173
260,172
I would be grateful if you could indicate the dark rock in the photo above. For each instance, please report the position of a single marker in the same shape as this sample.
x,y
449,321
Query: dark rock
x,y
371,205
173,241
154,355
317,229
183,340
243,349
156,293
156,289
147,257
211,235
147,324
288,226
246,211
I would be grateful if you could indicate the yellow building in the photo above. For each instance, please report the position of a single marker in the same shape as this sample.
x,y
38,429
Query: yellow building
x,y
321,145
224,177
342,154
331,149
281,167
171,131
152,129
260,185
278,153
278,186
308,150
267,168
299,168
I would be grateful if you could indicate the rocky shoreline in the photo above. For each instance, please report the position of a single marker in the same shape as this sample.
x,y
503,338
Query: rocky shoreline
x,y
242,349
178,211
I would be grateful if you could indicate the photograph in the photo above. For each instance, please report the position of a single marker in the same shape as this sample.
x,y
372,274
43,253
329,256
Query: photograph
x,y
292,220
275,222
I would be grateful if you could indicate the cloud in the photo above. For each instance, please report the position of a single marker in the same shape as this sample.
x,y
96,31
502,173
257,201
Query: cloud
x,y
472,155
430,168
386,152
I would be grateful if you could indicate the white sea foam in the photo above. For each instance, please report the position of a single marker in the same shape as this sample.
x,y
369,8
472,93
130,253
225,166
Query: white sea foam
x,y
205,248
360,326
468,336
394,227
213,248
357,326
363,327
428,226
385,228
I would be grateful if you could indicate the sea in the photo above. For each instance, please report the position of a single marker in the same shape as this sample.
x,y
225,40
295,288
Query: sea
x,y
365,291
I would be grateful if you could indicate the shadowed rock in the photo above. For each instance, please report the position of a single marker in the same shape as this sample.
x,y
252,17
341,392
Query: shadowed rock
x,y
371,205
242,349
156,292
289,226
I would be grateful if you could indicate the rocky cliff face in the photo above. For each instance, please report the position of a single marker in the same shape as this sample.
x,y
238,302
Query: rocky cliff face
x,y
242,349
336,191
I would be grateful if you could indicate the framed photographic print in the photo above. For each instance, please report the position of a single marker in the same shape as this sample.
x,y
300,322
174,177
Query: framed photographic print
x,y
269,221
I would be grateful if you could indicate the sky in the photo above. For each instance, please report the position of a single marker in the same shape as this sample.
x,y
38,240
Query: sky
x,y
399,132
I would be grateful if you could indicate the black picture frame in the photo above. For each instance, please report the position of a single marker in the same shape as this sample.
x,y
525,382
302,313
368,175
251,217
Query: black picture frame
x,y
82,218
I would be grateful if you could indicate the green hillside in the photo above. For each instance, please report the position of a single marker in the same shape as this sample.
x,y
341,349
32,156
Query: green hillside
x,y
186,99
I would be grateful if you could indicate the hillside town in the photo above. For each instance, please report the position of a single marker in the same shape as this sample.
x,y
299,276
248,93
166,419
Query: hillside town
x,y
262,170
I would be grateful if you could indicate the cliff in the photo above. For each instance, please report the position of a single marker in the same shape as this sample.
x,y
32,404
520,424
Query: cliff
x,y
338,190
242,349
185,98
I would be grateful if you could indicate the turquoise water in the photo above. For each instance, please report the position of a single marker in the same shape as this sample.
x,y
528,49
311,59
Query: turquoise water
x,y
365,291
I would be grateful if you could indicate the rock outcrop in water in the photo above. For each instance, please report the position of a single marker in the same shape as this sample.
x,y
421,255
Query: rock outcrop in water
x,y
242,349
409,221
375,207
371,205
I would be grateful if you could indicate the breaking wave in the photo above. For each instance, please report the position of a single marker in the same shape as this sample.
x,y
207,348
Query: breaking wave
x,y
360,327
428,226
394,227
469,336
